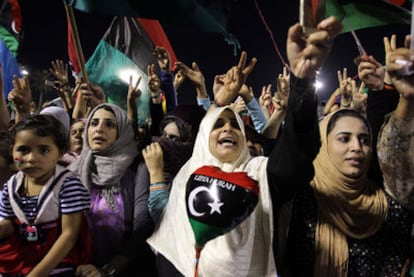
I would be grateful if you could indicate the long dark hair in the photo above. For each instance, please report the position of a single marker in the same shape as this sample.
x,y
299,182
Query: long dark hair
x,y
44,125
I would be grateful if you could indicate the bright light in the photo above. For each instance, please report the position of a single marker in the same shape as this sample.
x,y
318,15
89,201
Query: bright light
x,y
24,72
318,84
125,74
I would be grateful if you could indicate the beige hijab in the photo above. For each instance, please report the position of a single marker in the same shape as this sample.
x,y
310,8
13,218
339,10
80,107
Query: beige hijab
x,y
354,207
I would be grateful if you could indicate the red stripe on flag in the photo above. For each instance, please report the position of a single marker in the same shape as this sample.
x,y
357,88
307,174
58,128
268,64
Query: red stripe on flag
x,y
315,4
397,2
158,36
17,15
72,52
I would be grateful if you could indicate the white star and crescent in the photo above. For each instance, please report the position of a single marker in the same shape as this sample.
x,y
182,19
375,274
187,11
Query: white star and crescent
x,y
215,206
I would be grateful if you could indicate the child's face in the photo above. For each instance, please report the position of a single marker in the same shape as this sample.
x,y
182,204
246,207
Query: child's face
x,y
35,156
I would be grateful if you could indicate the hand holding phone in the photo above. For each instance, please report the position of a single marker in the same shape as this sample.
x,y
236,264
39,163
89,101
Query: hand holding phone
x,y
311,12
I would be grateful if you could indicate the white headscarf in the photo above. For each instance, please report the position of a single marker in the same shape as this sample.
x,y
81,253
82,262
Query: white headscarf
x,y
60,114
246,250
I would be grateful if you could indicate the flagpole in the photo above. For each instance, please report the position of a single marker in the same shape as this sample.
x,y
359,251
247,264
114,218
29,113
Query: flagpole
x,y
412,26
361,49
75,37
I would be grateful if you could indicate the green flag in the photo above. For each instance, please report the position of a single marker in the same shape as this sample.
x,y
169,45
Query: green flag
x,y
125,50
356,15
209,16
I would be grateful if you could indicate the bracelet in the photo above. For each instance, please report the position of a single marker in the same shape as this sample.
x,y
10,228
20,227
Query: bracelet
x,y
158,186
388,86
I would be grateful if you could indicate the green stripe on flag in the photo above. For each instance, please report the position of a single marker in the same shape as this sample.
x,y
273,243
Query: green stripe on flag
x,y
110,68
9,40
365,14
205,232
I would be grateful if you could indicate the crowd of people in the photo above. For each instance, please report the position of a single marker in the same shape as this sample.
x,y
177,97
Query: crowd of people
x,y
234,185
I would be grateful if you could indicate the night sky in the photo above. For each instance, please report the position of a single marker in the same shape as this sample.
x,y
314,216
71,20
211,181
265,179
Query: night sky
x,y
45,39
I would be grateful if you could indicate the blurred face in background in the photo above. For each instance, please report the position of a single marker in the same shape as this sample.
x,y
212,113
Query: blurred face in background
x,y
76,136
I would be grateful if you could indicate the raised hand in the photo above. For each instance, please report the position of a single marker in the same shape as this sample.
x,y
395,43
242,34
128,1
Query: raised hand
x,y
283,85
397,59
227,87
179,79
359,97
154,84
133,90
371,72
239,105
163,58
153,156
193,73
21,95
60,71
280,98
345,88
246,93
306,55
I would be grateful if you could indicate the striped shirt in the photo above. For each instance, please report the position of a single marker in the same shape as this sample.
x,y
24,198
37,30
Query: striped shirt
x,y
73,198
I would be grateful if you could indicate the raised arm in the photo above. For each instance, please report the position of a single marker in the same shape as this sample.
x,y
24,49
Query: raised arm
x,y
279,101
226,87
395,142
21,97
299,140
132,99
196,76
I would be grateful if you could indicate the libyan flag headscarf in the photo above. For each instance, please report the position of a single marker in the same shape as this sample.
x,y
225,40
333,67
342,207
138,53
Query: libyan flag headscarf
x,y
357,14
124,50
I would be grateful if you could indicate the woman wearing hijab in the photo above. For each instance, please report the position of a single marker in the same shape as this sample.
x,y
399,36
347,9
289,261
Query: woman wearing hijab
x,y
221,153
107,166
344,224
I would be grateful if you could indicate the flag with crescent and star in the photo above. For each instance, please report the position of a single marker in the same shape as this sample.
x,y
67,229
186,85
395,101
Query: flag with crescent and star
x,y
218,201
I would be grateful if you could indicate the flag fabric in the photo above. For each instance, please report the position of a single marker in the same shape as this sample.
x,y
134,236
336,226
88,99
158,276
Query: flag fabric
x,y
158,36
356,15
125,50
10,27
207,15
72,52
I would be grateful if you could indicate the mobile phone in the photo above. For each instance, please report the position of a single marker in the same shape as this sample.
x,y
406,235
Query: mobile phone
x,y
311,12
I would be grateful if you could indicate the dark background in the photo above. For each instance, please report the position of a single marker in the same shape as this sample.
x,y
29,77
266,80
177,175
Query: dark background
x,y
45,39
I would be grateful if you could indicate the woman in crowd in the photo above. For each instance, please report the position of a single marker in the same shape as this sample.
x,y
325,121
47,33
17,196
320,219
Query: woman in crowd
x,y
108,167
344,224
220,146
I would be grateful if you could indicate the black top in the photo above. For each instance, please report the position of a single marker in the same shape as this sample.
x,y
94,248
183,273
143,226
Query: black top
x,y
382,254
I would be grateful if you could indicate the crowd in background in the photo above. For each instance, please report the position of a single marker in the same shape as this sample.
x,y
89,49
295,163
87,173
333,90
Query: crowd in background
x,y
88,190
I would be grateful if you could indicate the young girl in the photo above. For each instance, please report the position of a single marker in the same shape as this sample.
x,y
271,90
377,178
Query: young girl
x,y
43,205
